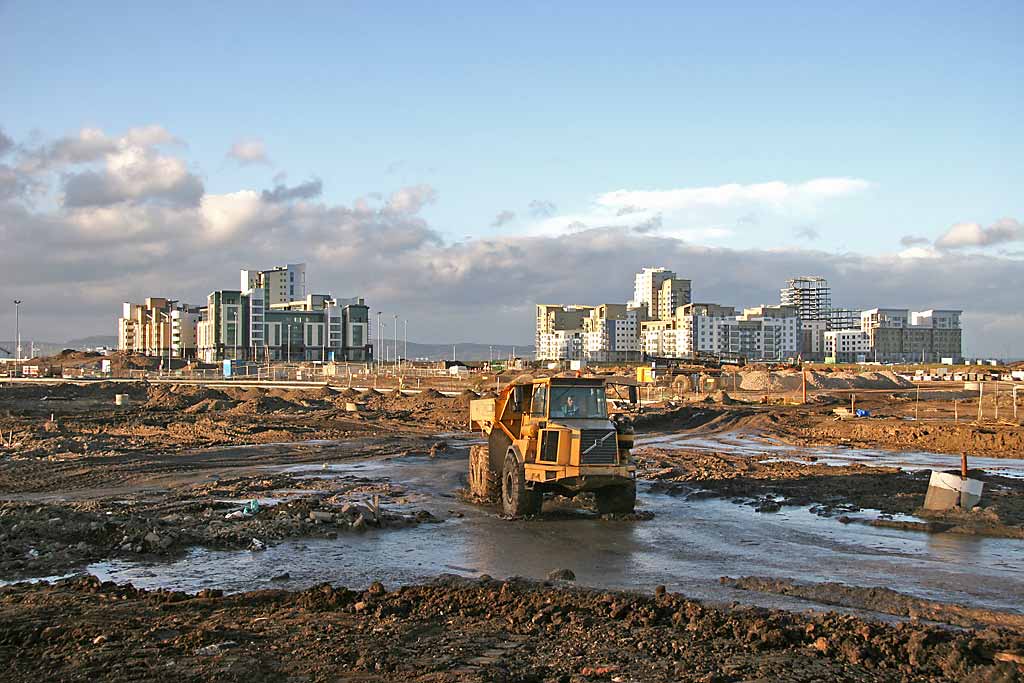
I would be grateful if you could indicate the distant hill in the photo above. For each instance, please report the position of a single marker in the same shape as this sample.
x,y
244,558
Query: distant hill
x,y
41,348
463,351
109,341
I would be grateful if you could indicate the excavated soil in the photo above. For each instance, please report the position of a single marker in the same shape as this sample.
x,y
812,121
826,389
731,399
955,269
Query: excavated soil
x,y
461,630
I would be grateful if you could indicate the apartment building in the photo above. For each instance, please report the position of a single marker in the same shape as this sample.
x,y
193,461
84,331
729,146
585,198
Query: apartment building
x,y
658,292
271,317
280,284
611,334
767,332
847,346
238,325
158,327
701,328
900,335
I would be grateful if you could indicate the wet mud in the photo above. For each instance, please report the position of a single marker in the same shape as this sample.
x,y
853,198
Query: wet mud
x,y
461,630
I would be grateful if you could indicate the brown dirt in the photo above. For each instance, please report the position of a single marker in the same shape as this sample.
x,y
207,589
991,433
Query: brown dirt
x,y
461,631
883,600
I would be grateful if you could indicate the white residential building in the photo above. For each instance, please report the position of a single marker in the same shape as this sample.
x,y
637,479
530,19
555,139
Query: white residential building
x,y
658,292
847,346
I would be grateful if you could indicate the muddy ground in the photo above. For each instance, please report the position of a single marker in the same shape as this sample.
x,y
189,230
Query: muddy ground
x,y
462,630
83,480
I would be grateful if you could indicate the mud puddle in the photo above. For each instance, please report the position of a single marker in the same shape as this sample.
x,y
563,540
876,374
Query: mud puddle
x,y
687,546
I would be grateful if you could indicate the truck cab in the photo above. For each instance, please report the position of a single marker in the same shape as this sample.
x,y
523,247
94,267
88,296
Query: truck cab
x,y
555,435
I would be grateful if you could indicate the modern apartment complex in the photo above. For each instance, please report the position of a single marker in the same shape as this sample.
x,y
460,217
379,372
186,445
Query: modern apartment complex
x,y
900,335
660,321
158,327
272,317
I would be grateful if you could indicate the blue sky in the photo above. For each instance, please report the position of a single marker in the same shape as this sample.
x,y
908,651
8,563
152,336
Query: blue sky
x,y
497,106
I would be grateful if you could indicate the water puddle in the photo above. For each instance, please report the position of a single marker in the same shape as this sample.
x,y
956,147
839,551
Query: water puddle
x,y
687,546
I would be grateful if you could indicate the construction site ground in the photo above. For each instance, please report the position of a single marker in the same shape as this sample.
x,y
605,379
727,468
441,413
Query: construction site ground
x,y
771,542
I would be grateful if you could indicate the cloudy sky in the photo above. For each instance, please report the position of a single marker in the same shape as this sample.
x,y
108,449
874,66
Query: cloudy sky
x,y
458,165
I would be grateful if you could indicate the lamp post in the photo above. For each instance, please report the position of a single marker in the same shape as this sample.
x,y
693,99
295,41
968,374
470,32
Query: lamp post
x,y
396,340
380,342
17,332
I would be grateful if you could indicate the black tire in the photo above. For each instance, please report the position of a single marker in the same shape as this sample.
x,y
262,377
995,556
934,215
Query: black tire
x,y
616,499
516,499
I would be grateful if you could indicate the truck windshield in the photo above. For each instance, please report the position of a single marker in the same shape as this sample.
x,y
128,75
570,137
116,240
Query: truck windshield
x,y
581,402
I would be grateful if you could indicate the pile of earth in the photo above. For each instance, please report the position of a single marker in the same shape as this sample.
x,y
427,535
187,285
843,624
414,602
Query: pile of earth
x,y
786,381
459,631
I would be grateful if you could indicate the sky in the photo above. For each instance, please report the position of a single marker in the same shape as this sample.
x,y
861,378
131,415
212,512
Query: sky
x,y
458,163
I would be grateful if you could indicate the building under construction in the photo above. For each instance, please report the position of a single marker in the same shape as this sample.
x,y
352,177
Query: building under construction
x,y
810,295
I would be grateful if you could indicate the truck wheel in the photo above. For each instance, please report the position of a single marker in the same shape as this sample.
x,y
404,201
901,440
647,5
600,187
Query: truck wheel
x,y
483,485
619,499
516,499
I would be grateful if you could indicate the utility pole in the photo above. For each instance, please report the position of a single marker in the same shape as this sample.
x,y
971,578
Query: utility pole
x,y
396,340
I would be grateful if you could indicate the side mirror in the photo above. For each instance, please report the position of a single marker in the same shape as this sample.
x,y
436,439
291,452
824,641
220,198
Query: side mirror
x,y
517,398
632,395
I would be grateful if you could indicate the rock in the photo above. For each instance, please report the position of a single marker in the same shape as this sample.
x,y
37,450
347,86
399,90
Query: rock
x,y
561,575
376,588
257,545
361,605
99,640
281,577
216,648
321,516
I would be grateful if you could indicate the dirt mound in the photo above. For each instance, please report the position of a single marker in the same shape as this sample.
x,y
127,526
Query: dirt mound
x,y
209,405
723,398
243,394
163,397
465,397
261,406
429,396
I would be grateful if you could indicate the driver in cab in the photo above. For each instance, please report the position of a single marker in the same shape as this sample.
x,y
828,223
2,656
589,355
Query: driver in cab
x,y
570,408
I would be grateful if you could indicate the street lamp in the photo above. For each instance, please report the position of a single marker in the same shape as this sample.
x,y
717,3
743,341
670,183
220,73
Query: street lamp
x,y
17,333
396,340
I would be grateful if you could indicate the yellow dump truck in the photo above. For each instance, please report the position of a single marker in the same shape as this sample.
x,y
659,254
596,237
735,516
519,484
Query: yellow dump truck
x,y
553,435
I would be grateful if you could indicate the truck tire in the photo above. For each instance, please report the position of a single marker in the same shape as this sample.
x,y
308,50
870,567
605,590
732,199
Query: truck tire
x,y
483,484
516,499
616,499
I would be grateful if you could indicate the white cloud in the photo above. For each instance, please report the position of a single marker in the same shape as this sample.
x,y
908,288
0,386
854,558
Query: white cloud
x,y
773,194
411,199
712,213
224,215
962,235
247,152
920,253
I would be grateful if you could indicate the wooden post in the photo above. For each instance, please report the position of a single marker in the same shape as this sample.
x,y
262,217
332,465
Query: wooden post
x,y
963,465
996,401
981,395
956,418
853,403
803,377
